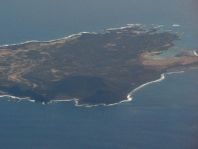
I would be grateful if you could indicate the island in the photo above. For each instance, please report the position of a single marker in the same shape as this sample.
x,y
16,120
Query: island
x,y
89,68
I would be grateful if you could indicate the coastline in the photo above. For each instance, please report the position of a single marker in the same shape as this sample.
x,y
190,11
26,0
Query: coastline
x,y
76,101
154,26
195,53
70,36
48,41
129,96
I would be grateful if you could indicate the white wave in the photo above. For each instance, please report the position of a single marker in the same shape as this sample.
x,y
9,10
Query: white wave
x,y
81,33
175,72
68,37
75,35
77,104
129,97
195,53
124,27
17,98
48,41
157,26
146,84
176,25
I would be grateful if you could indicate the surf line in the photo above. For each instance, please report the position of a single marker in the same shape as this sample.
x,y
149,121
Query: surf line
x,y
195,53
17,98
76,35
129,97
131,94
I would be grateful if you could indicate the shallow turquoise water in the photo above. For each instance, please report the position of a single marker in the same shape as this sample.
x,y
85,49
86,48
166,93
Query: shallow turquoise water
x,y
163,115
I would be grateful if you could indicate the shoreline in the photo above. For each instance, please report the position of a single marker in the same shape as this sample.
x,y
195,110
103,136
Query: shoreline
x,y
129,96
48,41
195,53
76,101
85,32
70,36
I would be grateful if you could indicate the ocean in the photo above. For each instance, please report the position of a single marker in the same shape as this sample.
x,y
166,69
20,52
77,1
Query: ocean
x,y
162,115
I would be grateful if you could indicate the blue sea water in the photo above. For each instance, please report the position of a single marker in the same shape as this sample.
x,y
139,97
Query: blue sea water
x,y
163,115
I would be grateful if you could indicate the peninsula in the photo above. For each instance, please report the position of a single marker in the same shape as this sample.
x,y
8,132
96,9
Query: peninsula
x,y
94,68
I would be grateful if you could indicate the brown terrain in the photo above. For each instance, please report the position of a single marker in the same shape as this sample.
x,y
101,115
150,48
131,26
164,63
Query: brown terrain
x,y
94,68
